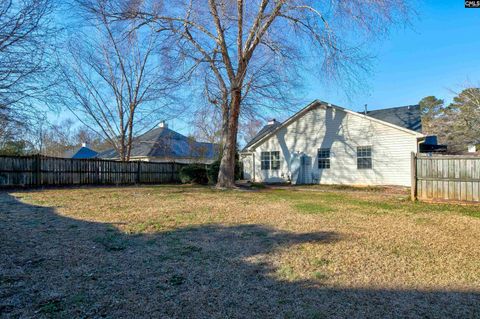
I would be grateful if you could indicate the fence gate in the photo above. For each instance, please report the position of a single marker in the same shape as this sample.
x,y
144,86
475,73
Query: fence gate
x,y
446,177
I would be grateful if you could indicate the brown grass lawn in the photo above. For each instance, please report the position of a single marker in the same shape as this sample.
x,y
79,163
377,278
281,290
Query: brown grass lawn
x,y
195,252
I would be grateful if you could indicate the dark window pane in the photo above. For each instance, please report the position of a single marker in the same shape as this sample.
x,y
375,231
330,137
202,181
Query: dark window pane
x,y
270,160
364,151
324,153
275,164
265,160
364,163
323,163
323,158
275,158
364,157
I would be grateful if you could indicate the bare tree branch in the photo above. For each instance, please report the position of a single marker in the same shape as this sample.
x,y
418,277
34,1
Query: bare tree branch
x,y
115,77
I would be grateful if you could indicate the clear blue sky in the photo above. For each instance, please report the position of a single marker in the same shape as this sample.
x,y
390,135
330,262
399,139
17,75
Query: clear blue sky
x,y
438,53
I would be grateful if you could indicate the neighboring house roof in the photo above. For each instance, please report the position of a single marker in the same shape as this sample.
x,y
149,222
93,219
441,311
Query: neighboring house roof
x,y
164,142
259,138
409,117
81,152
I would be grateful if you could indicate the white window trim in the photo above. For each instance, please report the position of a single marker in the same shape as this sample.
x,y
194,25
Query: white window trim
x,y
270,161
365,157
329,158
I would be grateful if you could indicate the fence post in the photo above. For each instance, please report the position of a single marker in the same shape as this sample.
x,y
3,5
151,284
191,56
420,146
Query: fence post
x,y
413,188
138,172
38,169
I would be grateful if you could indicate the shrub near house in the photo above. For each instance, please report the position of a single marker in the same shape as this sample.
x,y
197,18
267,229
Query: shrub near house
x,y
194,174
205,174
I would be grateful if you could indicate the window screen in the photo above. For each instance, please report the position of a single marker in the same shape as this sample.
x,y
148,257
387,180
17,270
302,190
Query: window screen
x,y
265,158
364,157
275,160
323,158
270,160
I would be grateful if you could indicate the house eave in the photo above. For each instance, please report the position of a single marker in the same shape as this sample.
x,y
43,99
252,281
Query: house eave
x,y
319,103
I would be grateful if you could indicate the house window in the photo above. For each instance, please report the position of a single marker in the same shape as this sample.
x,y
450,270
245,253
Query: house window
x,y
323,158
270,160
364,157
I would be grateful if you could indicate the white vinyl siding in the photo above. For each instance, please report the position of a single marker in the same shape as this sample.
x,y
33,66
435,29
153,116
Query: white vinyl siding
x,y
341,132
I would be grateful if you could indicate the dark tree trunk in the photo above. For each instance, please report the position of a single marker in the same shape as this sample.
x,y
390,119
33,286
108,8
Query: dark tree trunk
x,y
130,134
226,174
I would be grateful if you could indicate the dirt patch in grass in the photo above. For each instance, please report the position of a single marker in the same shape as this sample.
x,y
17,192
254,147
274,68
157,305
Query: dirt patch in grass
x,y
175,252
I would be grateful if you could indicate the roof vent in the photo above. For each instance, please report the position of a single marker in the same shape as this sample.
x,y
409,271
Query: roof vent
x,y
163,124
84,145
272,121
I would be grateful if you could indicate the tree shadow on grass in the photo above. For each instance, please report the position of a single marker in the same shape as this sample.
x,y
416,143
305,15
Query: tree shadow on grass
x,y
54,266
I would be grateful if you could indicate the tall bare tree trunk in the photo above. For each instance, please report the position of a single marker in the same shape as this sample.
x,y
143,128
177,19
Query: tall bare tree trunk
x,y
281,32
226,174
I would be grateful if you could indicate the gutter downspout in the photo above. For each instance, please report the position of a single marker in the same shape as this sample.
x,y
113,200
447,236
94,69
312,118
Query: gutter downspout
x,y
253,165
419,141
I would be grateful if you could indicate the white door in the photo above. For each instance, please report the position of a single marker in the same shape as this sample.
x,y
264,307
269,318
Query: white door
x,y
247,161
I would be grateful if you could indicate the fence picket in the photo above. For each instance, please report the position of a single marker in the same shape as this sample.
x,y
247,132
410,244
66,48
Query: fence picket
x,y
447,177
37,170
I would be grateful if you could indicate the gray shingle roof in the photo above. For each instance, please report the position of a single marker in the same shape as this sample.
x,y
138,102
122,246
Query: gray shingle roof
x,y
164,142
409,117
264,131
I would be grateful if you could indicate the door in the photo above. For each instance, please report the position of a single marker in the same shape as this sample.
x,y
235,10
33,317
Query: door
x,y
247,163
301,168
306,169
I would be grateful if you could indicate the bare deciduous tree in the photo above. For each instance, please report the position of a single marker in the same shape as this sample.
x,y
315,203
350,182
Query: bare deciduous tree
x,y
250,129
250,52
26,32
56,139
116,78
206,126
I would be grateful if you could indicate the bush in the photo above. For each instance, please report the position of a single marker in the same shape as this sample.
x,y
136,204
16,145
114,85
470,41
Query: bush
x,y
195,174
212,172
214,168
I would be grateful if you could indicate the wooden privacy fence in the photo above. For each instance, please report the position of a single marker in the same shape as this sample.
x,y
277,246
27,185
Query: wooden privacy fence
x,y
446,177
39,170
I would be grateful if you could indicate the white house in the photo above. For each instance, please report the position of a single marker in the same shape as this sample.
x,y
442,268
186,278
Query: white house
x,y
328,144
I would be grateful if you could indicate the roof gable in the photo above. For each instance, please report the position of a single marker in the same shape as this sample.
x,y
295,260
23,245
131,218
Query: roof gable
x,y
164,142
318,103
263,132
82,153
408,117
